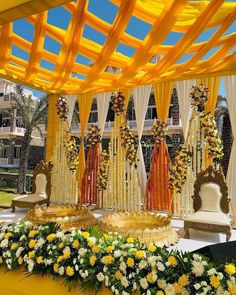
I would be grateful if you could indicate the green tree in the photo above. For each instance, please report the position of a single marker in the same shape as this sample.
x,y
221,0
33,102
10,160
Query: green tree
x,y
34,116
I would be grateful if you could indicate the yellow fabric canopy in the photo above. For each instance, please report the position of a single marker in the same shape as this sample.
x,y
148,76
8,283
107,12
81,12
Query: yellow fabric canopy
x,y
186,59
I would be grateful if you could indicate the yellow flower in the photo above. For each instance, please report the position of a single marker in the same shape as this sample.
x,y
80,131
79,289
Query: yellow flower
x,y
215,282
7,235
85,234
118,275
20,260
92,260
152,248
31,254
150,278
172,260
61,245
60,258
230,269
1,260
32,233
55,267
106,236
70,271
130,240
160,293
130,262
66,253
14,246
140,254
32,244
96,249
107,259
109,249
90,243
75,244
183,280
40,260
232,289
178,288
51,237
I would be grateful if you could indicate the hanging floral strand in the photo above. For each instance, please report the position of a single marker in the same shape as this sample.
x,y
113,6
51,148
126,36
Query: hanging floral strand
x,y
93,136
103,170
199,95
129,142
159,130
71,151
62,108
118,102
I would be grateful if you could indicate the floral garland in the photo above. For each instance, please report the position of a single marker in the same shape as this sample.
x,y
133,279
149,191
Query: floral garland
x,y
62,108
178,171
123,264
159,130
103,170
118,102
93,136
199,95
71,151
215,147
129,142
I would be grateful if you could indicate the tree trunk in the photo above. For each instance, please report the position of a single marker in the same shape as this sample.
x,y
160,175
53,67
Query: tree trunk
x,y
21,182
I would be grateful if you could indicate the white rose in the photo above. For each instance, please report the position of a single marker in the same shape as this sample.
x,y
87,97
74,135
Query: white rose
x,y
211,271
30,266
82,251
124,282
135,286
61,271
142,264
117,253
197,286
144,283
160,266
123,266
170,290
100,277
4,243
125,293
19,251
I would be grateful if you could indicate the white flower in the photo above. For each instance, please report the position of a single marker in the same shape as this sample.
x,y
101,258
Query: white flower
x,y
160,266
60,234
144,283
149,292
92,239
135,286
197,268
161,284
61,270
1,236
115,242
30,266
123,266
197,286
197,257
170,290
211,271
23,237
40,243
82,251
117,253
19,251
100,277
142,264
113,288
125,293
152,260
124,282
4,243
116,292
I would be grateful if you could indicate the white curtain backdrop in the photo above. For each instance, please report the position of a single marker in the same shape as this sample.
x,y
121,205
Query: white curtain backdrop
x,y
141,96
183,89
71,99
103,100
230,87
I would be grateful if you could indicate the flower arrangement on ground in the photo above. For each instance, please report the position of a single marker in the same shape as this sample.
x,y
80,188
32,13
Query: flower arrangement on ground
x,y
129,142
62,108
103,170
122,264
159,130
71,151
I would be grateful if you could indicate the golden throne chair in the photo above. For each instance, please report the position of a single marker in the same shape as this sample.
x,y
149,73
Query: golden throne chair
x,y
41,189
210,203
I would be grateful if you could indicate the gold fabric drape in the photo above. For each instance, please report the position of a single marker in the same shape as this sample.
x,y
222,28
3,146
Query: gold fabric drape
x,y
213,83
85,101
53,124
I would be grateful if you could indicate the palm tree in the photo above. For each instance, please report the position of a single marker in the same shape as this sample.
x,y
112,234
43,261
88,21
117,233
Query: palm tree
x,y
34,116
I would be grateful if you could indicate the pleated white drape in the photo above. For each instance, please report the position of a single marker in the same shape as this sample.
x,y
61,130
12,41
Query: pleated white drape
x,y
71,99
141,96
230,87
183,90
103,100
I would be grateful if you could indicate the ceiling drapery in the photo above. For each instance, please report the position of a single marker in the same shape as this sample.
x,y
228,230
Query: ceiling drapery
x,y
213,57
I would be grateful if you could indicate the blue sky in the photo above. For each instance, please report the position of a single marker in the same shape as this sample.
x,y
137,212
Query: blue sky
x,y
106,11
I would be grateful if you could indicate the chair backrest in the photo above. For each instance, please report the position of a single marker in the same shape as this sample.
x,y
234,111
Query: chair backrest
x,y
211,192
42,180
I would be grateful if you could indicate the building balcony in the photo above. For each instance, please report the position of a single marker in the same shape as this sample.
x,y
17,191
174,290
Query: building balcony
x,y
6,101
6,132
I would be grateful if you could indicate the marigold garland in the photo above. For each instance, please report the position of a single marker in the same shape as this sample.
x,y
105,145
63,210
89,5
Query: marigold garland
x,y
118,102
122,264
103,170
199,95
62,108
129,142
178,171
71,151
159,130
93,136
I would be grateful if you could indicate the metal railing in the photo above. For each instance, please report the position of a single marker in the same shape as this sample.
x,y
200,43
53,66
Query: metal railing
x,y
19,130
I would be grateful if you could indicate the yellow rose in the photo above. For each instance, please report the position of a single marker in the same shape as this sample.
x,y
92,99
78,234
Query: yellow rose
x,y
31,254
232,289
230,269
107,259
60,258
85,234
20,260
1,260
56,267
90,243
152,248
130,240
118,275
130,262
7,235
51,237
178,288
140,254
32,244
70,271
96,249
109,249
160,293
215,282
14,246
32,233
66,253
150,278
172,260
40,260
92,260
75,244
183,280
